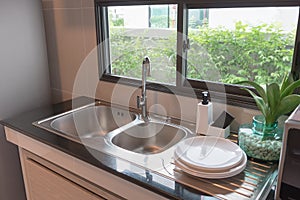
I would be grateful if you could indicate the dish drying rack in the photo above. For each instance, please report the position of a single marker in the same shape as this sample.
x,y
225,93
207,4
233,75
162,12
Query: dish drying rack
x,y
255,182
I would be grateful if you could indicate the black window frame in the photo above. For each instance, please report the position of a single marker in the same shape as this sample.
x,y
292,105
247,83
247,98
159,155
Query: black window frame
x,y
234,94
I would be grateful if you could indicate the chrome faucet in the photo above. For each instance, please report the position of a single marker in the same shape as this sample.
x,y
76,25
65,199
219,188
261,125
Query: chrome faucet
x,y
142,101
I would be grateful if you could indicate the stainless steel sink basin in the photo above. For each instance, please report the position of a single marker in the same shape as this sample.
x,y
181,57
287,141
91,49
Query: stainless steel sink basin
x,y
99,125
88,122
149,137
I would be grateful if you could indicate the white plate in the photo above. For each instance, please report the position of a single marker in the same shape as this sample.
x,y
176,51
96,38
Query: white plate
x,y
214,175
204,169
209,153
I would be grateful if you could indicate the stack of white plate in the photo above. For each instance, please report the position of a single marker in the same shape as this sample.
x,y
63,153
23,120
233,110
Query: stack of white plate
x,y
210,157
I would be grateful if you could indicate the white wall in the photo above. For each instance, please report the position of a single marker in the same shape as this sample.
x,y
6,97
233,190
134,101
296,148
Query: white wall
x,y
24,80
287,16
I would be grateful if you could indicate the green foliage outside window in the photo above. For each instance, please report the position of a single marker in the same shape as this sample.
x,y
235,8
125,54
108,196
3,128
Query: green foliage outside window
x,y
127,54
260,53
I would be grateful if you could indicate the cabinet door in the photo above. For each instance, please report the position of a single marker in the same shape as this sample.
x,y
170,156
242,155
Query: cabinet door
x,y
45,184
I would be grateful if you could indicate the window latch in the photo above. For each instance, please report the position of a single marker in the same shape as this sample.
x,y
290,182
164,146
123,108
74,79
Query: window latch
x,y
186,45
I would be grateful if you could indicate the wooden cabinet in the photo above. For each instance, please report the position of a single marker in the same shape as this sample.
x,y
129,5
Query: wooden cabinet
x,y
52,174
47,181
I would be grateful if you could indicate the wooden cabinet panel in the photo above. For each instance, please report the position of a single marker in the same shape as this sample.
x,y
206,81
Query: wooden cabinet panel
x,y
48,185
45,180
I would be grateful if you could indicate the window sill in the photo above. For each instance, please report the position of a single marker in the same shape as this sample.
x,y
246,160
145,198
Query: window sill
x,y
229,97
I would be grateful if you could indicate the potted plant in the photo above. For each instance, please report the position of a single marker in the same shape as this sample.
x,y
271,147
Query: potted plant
x,y
261,139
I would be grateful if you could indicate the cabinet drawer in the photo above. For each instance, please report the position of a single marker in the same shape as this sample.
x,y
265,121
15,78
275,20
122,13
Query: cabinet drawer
x,y
48,185
47,181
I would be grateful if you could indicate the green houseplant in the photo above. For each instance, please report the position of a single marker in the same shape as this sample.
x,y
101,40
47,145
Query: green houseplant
x,y
274,100
261,139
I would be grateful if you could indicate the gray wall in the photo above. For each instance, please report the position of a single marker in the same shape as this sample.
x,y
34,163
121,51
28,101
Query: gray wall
x,y
24,80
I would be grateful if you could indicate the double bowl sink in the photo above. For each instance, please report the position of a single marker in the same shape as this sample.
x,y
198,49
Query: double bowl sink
x,y
120,128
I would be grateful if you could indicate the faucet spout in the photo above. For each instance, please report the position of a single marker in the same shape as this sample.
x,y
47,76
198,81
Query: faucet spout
x,y
142,101
146,64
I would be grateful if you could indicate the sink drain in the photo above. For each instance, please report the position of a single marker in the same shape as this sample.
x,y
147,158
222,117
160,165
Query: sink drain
x,y
150,149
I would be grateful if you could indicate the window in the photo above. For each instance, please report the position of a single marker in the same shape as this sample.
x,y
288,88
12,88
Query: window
x,y
234,44
137,31
200,42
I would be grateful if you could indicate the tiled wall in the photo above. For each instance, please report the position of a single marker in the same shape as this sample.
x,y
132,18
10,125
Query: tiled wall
x,y
71,40
70,33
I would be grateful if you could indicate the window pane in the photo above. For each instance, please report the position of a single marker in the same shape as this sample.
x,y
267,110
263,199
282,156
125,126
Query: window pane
x,y
138,31
233,44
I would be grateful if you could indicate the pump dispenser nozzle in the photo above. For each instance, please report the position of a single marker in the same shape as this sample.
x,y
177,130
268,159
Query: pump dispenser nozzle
x,y
204,98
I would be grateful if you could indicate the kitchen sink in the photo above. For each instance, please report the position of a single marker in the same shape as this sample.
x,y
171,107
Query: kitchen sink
x,y
89,122
123,130
149,137
119,132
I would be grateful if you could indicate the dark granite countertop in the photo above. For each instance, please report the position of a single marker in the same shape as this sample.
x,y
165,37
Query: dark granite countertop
x,y
149,180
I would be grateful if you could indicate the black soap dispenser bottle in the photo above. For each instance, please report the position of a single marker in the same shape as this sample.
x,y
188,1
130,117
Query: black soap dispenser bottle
x,y
204,114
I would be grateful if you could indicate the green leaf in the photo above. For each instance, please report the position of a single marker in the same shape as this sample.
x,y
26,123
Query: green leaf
x,y
284,83
259,102
290,89
287,104
273,95
260,90
287,80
